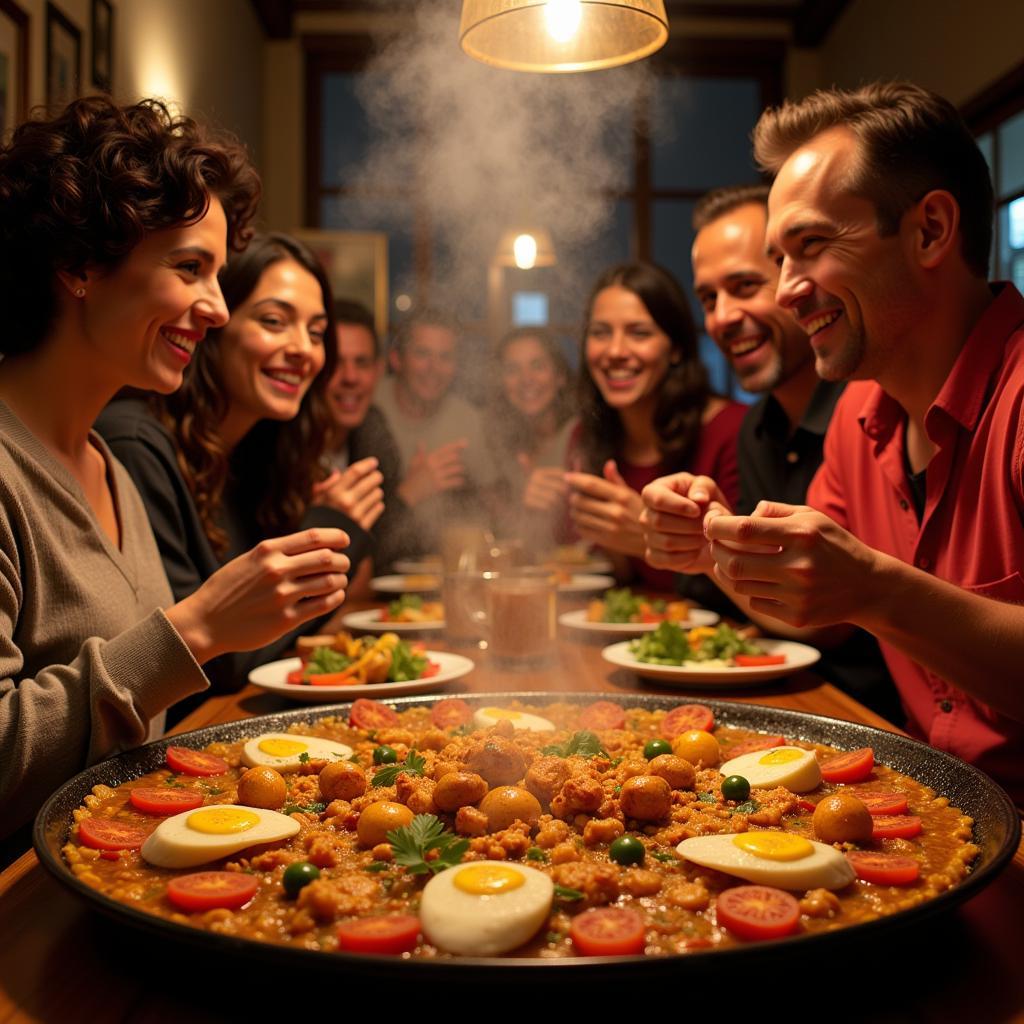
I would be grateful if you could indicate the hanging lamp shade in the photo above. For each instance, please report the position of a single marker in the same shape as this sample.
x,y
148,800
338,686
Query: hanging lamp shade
x,y
561,35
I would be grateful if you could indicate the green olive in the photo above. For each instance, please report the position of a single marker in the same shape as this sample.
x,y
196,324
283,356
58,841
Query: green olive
x,y
627,850
736,788
385,755
297,876
655,748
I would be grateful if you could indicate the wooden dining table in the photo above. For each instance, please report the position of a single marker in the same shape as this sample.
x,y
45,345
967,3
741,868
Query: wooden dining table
x,y
62,961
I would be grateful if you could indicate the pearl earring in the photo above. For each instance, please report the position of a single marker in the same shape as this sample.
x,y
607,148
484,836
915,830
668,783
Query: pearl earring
x,y
79,293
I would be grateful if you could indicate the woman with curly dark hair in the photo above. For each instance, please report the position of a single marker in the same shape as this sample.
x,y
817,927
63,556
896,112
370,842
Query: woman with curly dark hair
x,y
234,455
646,409
114,222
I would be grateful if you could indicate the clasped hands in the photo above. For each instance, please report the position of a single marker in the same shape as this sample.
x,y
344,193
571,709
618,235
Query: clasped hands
x,y
789,562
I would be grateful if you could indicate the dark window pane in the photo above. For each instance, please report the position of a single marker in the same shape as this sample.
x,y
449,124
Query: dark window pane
x,y
985,145
1011,242
1010,178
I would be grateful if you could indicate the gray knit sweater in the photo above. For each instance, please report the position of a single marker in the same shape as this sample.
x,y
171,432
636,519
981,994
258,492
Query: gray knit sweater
x,y
87,656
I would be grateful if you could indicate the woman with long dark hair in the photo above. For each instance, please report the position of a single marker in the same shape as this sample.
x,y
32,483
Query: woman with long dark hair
x,y
646,409
234,456
114,222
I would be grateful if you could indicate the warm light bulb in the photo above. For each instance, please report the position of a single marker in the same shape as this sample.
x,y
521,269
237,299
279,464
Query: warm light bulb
x,y
524,249
563,19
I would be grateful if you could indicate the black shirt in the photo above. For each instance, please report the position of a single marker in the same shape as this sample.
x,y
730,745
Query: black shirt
x,y
779,465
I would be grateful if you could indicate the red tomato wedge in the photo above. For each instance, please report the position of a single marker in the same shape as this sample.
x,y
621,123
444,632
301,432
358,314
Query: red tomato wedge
x,y
389,933
431,670
164,800
450,713
759,743
686,717
603,714
108,834
608,931
209,890
854,766
884,803
753,660
884,868
895,826
194,762
371,714
758,912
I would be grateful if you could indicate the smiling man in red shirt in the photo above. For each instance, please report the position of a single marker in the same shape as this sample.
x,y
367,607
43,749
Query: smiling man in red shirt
x,y
880,220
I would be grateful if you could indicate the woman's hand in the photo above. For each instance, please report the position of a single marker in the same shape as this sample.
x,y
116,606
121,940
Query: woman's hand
x,y
354,491
607,511
546,486
434,472
261,595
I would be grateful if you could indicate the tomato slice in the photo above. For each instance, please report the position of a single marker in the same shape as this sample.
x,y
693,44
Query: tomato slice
x,y
686,717
431,670
884,868
371,714
108,834
758,912
388,933
895,826
758,743
450,713
884,803
753,660
208,890
854,766
194,762
608,931
164,800
332,679
603,714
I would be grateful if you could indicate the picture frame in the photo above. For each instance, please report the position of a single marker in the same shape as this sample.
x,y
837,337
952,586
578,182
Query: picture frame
x,y
63,58
356,263
14,65
102,48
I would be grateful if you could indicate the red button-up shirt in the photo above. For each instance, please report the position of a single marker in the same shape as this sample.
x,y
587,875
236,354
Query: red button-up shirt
x,y
972,531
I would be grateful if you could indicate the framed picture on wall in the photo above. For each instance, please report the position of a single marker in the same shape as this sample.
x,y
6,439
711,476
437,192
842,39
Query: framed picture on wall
x,y
13,65
102,44
357,267
63,58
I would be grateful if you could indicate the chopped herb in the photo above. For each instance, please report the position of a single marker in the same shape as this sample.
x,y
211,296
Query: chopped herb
x,y
536,853
424,834
659,855
213,790
747,808
372,735
388,774
315,808
377,865
325,660
707,798
616,762
582,744
303,757
554,937
564,893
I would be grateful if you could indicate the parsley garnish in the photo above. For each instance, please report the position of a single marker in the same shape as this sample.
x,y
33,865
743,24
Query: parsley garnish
x,y
658,855
707,798
411,844
377,865
536,853
747,808
564,893
582,744
315,808
387,775
303,757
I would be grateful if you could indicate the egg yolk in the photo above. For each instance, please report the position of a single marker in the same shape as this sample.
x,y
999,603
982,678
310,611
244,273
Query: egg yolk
x,y
283,748
781,757
773,845
223,821
501,713
488,880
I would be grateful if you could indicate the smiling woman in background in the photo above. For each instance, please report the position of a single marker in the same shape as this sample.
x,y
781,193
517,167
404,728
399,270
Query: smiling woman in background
x,y
114,222
234,456
646,410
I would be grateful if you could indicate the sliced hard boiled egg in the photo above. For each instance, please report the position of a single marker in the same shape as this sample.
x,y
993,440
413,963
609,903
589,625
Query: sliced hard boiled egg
x,y
211,832
771,858
484,718
288,752
793,767
485,908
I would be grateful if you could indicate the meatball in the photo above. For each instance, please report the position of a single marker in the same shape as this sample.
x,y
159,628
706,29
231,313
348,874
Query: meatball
x,y
497,760
546,777
380,818
342,780
262,787
842,818
676,771
507,804
646,798
459,789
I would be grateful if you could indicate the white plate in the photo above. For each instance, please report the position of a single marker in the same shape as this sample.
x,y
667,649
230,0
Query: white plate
x,y
585,583
400,584
798,656
425,566
578,620
369,619
274,677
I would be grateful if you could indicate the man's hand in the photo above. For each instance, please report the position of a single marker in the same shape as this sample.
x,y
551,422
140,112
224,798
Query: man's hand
x,y
546,486
673,521
795,564
607,511
355,491
434,472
